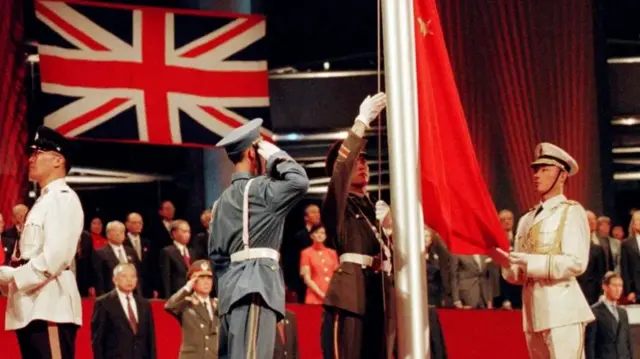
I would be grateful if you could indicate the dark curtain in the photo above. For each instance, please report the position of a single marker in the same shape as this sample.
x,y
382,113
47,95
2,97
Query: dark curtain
x,y
13,126
525,73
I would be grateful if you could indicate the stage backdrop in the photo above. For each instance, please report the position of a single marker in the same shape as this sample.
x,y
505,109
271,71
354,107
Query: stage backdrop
x,y
525,73
13,127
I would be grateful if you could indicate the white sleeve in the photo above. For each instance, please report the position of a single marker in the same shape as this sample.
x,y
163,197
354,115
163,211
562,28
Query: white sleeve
x,y
62,228
514,274
575,250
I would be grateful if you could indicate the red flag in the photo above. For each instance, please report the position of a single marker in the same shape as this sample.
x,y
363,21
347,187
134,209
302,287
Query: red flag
x,y
456,201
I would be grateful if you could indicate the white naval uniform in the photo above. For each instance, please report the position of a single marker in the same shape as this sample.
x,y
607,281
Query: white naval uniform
x,y
555,310
45,289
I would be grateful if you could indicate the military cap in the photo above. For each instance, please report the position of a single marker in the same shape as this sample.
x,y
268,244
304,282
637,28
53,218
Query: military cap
x,y
47,139
332,155
242,137
200,268
552,155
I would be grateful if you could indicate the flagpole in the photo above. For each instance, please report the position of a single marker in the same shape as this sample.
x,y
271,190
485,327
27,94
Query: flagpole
x,y
408,230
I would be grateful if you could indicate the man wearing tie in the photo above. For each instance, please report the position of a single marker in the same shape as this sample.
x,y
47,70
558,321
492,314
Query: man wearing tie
x,y
609,337
175,259
109,256
142,247
551,249
122,323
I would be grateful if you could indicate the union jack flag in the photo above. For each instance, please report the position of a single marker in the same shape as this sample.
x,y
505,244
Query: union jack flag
x,y
161,76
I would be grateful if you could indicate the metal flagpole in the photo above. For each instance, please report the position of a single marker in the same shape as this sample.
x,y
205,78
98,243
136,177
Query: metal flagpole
x,y
408,228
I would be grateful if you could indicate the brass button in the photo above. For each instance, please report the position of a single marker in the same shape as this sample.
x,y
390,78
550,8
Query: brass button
x,y
326,269
273,268
206,348
326,279
201,325
206,337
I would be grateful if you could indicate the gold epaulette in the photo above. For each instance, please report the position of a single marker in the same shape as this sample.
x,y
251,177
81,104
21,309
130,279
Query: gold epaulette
x,y
190,299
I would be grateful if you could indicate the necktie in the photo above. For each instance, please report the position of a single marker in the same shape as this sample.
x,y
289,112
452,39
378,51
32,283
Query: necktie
x,y
538,212
614,311
131,316
136,246
185,254
121,256
207,304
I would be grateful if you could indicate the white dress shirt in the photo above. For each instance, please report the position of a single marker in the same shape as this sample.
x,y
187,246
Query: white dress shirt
x,y
181,248
167,225
207,304
123,301
120,253
638,239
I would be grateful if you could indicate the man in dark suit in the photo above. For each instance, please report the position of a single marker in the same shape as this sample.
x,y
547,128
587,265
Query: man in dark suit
x,y
18,215
287,338
83,265
176,258
630,267
109,256
596,268
142,248
200,242
122,323
609,336
475,281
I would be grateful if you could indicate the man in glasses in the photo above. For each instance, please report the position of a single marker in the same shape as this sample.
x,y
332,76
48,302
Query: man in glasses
x,y
44,303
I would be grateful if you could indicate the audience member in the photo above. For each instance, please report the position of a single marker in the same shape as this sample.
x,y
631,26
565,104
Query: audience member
x,y
590,280
122,323
475,281
438,269
95,228
292,248
18,216
609,245
175,259
108,257
317,265
630,260
142,248
609,336
200,242
510,294
6,243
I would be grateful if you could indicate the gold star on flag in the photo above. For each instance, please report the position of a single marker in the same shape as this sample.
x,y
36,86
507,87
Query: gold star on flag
x,y
424,27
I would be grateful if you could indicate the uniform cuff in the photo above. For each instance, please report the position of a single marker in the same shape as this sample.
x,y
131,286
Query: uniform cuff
x,y
538,266
26,277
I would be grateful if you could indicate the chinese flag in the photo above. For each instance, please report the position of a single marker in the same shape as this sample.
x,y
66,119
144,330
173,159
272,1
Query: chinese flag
x,y
455,198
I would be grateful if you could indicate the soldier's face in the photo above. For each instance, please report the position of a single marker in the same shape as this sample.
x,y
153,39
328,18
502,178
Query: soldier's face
x,y
360,174
203,285
42,163
126,280
613,290
544,178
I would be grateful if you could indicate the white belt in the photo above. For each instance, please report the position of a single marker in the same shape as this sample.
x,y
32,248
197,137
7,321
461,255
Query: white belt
x,y
361,259
255,253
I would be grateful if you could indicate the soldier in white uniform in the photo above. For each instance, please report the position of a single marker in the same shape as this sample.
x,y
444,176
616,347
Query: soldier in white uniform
x,y
551,249
44,303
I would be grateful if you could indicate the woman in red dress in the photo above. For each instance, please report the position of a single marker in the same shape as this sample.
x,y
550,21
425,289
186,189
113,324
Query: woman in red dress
x,y
317,264
95,230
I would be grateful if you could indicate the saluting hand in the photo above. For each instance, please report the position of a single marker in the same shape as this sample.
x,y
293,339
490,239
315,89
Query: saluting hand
x,y
267,149
371,107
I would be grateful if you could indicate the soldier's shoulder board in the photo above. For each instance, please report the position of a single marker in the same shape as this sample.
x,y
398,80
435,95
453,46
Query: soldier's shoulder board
x,y
571,202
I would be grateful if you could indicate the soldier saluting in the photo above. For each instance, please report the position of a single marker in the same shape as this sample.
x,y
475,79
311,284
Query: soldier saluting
x,y
551,249
355,298
44,303
246,234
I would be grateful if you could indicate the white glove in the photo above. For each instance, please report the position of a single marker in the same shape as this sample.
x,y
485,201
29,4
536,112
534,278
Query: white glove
x,y
371,107
382,210
519,259
189,286
6,275
267,149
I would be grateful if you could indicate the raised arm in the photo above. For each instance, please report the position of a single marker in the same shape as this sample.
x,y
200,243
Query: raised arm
x,y
177,303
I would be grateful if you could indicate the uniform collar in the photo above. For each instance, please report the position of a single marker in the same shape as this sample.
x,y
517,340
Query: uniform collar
x,y
59,183
553,201
241,175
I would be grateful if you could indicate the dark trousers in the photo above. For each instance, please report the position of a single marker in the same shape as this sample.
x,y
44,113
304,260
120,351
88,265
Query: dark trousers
x,y
46,340
247,331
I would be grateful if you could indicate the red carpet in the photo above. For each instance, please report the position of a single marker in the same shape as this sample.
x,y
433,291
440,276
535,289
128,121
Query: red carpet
x,y
469,334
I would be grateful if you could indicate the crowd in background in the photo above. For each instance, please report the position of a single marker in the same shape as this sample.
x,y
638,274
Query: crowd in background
x,y
163,250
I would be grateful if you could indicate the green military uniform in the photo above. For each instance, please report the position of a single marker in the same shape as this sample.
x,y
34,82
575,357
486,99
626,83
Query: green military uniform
x,y
198,318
